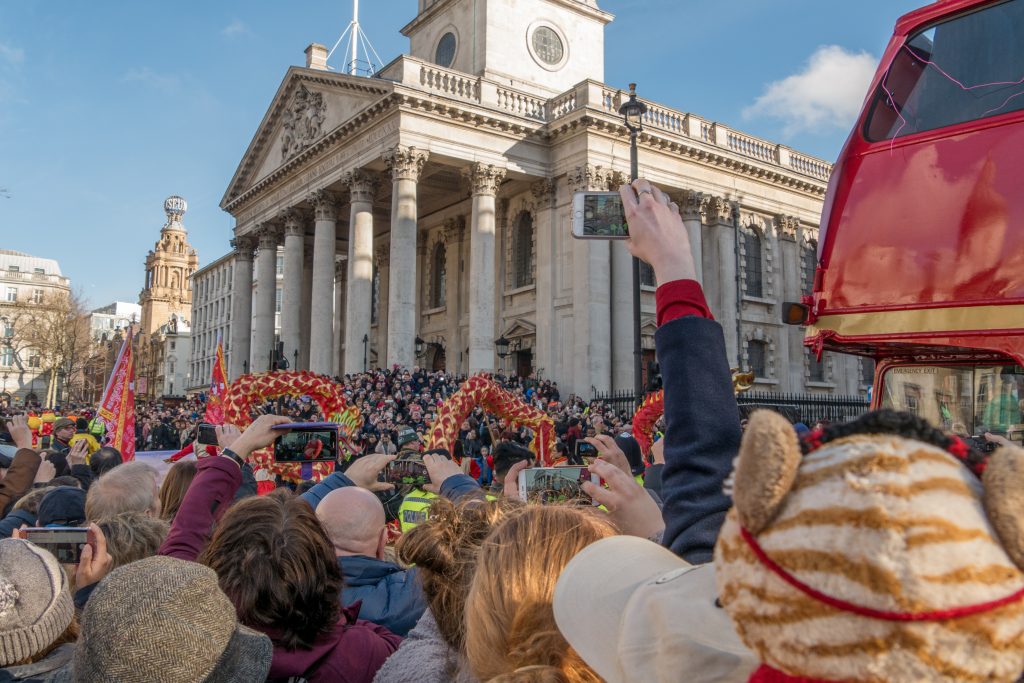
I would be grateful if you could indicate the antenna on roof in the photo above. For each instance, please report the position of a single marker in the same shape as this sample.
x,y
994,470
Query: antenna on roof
x,y
358,43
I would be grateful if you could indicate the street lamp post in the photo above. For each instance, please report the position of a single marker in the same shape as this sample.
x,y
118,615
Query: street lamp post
x,y
633,111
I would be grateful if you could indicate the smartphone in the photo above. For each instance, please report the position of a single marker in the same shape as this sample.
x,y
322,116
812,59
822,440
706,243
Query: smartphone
x,y
555,485
585,450
64,543
598,215
307,442
405,473
207,434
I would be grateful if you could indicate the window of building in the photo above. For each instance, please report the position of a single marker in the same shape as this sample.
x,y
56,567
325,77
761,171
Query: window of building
x,y
522,250
867,371
13,269
547,45
34,361
39,271
810,263
12,293
375,307
815,367
172,346
757,357
277,300
37,296
280,263
6,357
445,53
438,271
752,263
8,329
647,275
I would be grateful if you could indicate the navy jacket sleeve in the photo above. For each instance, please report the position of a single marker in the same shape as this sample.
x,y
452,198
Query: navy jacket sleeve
x,y
248,486
459,486
335,480
702,435
14,521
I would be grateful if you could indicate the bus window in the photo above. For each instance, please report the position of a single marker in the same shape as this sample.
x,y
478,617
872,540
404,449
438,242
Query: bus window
x,y
963,69
962,399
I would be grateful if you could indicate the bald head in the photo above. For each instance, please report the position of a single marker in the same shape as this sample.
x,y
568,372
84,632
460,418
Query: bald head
x,y
354,521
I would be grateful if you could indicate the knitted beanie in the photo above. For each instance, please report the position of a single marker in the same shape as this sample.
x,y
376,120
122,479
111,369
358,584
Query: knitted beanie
x,y
35,601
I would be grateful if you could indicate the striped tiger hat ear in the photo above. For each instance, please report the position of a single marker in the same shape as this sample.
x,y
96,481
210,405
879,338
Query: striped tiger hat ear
x,y
1003,481
766,468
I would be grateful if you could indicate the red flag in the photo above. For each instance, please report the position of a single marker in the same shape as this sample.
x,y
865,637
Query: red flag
x,y
117,407
218,386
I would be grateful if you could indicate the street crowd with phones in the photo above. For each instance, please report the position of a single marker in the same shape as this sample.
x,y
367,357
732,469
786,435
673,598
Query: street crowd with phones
x,y
108,573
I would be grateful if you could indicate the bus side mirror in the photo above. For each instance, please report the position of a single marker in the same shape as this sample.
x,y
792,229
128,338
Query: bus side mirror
x,y
794,313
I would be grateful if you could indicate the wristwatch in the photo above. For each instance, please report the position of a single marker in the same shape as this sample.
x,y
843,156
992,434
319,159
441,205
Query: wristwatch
x,y
228,453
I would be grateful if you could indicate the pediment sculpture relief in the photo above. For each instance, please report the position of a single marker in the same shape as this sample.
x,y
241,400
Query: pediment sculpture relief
x,y
303,121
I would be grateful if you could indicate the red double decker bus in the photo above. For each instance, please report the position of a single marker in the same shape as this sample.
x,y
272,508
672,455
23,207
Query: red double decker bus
x,y
921,253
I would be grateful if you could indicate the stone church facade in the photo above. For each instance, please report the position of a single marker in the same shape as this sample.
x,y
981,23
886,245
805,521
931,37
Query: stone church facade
x,y
436,195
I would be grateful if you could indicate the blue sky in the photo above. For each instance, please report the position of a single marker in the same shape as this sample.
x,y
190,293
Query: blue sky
x,y
108,107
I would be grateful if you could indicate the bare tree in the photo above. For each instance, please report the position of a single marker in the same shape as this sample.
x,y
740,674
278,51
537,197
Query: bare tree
x,y
52,335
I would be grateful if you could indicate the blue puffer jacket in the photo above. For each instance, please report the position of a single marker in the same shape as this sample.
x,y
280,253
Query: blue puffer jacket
x,y
391,595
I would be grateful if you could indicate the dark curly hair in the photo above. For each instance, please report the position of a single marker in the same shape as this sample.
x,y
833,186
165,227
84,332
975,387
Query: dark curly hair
x,y
898,423
275,563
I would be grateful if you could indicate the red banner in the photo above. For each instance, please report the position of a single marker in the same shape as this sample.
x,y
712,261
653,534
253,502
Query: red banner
x,y
117,407
218,385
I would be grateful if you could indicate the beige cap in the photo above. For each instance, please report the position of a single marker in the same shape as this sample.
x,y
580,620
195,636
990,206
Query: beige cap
x,y
635,611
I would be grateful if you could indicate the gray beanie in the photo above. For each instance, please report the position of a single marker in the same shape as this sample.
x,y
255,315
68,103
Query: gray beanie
x,y
164,619
35,601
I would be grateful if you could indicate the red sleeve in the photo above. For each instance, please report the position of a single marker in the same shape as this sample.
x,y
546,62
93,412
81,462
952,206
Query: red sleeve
x,y
207,498
679,298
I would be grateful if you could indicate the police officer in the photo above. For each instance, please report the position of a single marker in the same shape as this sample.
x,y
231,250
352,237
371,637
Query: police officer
x,y
417,501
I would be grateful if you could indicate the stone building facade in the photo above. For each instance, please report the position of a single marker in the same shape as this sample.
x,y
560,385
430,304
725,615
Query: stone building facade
x,y
436,199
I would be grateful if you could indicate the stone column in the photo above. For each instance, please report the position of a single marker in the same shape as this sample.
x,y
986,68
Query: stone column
x,y
720,219
264,304
454,232
543,192
340,295
381,254
791,243
405,164
241,306
591,303
484,180
291,299
307,302
321,319
359,297
691,205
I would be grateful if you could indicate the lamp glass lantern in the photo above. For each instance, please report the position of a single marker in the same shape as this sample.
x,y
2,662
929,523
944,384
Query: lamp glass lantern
x,y
501,345
633,111
421,346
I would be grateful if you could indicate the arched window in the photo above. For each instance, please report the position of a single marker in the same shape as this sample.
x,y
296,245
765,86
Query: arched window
x,y
647,275
810,263
757,357
522,250
752,263
438,275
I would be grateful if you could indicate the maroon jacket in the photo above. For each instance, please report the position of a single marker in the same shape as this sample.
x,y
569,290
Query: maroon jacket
x,y
351,654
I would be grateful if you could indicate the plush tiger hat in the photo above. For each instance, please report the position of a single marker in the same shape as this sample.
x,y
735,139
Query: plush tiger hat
x,y
875,555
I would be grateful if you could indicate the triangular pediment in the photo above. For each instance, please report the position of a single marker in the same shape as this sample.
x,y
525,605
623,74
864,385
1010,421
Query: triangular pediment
x,y
518,328
307,107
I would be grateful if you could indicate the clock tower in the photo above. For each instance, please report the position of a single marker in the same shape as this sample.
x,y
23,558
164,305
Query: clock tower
x,y
168,289
547,46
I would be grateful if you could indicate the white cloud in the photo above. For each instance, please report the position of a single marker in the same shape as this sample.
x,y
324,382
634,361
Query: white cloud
x,y
12,54
151,78
236,28
825,95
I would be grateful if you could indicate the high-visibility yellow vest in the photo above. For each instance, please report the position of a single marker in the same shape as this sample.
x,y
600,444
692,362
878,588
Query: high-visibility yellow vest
x,y
414,508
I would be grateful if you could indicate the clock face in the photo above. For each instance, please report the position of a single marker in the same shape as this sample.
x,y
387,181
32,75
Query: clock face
x,y
547,45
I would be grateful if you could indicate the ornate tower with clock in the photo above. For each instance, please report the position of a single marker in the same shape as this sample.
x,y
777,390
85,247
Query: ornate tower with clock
x,y
169,267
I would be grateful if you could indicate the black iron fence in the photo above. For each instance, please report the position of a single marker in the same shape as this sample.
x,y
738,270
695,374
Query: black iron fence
x,y
808,408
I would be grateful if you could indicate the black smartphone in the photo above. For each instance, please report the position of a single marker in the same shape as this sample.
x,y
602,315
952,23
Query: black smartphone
x,y
307,442
585,450
207,434
64,543
405,473
555,485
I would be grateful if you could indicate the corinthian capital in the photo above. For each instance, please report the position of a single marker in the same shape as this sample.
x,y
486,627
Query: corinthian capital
x,y
692,204
590,178
719,210
269,235
484,178
325,205
243,246
361,185
543,192
405,163
787,226
293,223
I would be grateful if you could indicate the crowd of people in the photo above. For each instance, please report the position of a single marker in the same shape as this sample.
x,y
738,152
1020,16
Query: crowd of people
x,y
198,578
